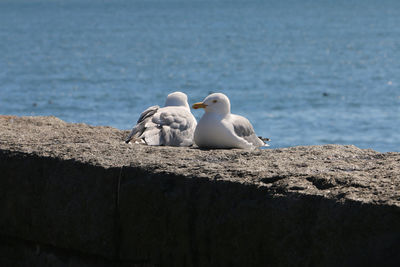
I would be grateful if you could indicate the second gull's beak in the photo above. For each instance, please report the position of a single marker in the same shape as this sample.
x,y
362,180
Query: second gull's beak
x,y
199,105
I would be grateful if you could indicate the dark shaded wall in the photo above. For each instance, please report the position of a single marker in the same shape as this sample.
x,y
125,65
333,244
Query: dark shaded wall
x,y
57,212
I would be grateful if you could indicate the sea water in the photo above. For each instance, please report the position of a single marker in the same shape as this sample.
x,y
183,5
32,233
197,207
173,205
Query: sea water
x,y
303,72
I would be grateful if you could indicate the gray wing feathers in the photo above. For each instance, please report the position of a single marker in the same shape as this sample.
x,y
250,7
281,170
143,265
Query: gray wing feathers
x,y
173,126
244,129
148,113
140,127
176,127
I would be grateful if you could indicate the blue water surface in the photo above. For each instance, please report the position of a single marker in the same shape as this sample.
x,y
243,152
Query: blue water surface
x,y
303,72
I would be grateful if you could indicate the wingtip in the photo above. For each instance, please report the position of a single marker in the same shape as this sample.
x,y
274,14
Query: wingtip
x,y
264,139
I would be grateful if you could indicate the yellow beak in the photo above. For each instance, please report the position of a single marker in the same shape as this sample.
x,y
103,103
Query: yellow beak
x,y
199,105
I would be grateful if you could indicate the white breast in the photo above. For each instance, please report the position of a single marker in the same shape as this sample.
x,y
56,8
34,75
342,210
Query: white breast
x,y
212,132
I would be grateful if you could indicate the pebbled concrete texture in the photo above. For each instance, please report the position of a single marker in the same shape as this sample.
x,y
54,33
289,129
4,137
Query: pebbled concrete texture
x,y
81,190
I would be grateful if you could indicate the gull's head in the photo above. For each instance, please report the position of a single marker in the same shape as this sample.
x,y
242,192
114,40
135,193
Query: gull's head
x,y
177,99
216,103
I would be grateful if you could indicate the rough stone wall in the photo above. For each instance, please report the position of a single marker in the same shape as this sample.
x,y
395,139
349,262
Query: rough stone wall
x,y
77,195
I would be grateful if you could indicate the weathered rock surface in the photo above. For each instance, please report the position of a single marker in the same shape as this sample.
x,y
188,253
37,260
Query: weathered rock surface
x,y
81,189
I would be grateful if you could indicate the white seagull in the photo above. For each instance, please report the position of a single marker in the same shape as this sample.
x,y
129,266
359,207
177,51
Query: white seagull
x,y
218,128
172,125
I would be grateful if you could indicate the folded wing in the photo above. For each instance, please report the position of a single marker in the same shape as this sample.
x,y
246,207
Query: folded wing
x,y
245,130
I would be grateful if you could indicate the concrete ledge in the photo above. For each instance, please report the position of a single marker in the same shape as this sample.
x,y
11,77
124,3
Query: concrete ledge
x,y
92,200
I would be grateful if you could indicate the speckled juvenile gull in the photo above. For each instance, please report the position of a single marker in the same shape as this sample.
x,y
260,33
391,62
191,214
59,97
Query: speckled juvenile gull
x,y
172,125
218,128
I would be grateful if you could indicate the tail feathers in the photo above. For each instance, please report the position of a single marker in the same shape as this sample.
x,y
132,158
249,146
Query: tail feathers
x,y
145,132
135,140
264,140
135,133
129,138
144,122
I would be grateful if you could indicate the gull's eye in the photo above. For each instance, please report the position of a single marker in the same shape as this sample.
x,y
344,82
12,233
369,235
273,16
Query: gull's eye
x,y
214,101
